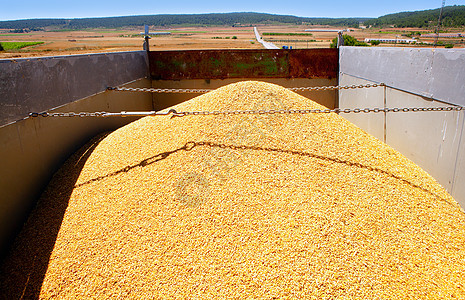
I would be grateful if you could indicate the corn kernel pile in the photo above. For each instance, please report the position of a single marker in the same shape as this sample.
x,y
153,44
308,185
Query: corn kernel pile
x,y
247,206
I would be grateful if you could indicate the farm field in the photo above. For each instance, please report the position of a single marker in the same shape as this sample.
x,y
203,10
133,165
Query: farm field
x,y
51,43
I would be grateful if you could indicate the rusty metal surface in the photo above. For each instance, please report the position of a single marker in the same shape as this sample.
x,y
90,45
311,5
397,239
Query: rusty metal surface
x,y
223,64
314,63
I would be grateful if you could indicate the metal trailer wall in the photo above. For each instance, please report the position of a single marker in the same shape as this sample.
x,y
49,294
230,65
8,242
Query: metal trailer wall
x,y
210,69
32,149
160,101
38,84
414,78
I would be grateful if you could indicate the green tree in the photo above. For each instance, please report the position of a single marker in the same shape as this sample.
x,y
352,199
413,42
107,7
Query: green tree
x,y
348,41
375,42
453,16
1,47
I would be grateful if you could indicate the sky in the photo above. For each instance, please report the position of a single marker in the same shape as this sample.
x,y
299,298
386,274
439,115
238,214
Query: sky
x,y
34,9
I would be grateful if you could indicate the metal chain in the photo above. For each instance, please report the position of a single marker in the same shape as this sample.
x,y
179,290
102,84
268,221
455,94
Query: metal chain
x,y
174,113
317,111
336,87
153,90
69,114
200,91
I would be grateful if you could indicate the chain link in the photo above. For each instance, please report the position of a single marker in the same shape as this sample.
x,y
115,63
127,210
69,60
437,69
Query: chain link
x,y
68,114
200,91
319,111
174,113
337,87
153,90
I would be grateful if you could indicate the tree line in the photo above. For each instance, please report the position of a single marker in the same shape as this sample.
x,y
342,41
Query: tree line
x,y
231,19
452,16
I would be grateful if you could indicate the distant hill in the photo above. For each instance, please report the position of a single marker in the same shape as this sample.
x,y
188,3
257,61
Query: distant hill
x,y
452,16
242,18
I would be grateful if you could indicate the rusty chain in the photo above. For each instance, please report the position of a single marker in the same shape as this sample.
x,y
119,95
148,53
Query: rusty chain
x,y
174,113
317,111
153,90
200,91
68,114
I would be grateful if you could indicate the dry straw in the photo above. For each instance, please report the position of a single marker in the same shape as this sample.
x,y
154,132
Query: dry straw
x,y
255,206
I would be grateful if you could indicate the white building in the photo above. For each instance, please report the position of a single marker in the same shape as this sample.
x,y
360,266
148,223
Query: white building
x,y
391,41
444,35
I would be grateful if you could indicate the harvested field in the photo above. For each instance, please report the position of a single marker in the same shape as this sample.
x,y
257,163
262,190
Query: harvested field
x,y
246,206
128,39
98,40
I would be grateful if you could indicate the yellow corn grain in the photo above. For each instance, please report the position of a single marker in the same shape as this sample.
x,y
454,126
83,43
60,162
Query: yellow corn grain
x,y
254,206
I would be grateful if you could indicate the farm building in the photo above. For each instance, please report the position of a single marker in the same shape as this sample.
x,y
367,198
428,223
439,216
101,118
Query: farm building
x,y
157,33
391,41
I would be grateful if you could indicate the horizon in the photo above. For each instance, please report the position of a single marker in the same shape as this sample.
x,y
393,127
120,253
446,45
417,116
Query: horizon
x,y
208,13
32,10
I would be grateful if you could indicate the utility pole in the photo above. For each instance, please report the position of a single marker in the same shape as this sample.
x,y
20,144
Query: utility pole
x,y
340,38
147,38
439,24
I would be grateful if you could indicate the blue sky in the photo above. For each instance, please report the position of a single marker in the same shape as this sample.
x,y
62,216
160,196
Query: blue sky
x,y
30,9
